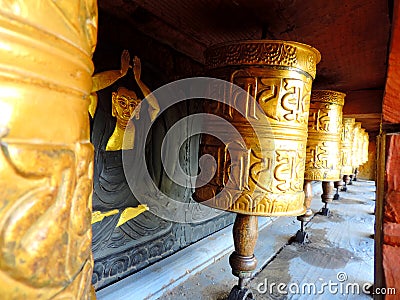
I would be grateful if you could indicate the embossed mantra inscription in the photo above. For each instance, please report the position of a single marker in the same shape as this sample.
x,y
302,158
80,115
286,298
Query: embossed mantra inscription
x,y
267,171
323,160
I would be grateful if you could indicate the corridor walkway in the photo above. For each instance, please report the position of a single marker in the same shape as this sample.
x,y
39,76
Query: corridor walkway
x,y
337,263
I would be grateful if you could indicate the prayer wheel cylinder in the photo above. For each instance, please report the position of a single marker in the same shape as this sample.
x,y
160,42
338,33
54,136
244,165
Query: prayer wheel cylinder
x,y
324,131
268,177
362,146
46,159
347,144
356,147
365,147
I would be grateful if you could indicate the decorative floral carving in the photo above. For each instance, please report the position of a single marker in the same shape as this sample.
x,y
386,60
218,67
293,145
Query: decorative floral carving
x,y
273,53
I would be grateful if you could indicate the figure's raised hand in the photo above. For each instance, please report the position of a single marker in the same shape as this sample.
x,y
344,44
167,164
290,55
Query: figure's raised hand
x,y
125,58
137,68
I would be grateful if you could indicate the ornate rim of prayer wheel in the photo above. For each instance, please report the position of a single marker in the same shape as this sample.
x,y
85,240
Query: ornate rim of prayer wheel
x,y
279,53
347,140
323,160
269,175
45,151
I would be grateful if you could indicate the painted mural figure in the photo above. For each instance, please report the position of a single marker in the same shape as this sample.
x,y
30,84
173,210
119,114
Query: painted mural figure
x,y
118,217
125,103
107,78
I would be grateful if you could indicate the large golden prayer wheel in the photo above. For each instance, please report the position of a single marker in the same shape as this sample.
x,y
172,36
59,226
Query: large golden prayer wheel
x,y
268,178
45,155
323,161
260,172
347,144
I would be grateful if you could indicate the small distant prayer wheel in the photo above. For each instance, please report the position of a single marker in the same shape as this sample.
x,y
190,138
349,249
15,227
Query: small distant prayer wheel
x,y
365,147
337,185
323,160
324,136
362,145
346,153
262,175
356,151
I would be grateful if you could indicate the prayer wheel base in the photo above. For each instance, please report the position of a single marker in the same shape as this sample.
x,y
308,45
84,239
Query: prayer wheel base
x,y
346,180
242,260
327,196
355,174
238,293
325,212
351,180
301,237
307,216
337,185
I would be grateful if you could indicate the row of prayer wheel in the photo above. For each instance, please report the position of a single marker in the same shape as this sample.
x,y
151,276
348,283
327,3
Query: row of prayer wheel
x,y
290,135
295,135
355,141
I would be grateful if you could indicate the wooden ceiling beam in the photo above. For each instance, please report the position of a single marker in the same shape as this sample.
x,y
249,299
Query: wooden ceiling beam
x,y
154,27
363,102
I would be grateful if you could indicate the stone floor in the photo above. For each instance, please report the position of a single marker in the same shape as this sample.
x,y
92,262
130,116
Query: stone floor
x,y
336,263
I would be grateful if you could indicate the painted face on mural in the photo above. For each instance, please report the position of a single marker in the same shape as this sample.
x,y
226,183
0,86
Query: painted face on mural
x,y
124,102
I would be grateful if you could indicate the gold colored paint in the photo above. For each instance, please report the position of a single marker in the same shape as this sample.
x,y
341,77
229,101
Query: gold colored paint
x,y
46,159
130,213
98,216
323,160
278,75
126,105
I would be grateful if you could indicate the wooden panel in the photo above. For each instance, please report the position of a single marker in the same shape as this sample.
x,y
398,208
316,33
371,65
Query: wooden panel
x,y
363,102
391,111
352,37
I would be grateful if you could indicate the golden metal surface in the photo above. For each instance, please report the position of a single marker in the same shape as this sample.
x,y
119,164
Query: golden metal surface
x,y
356,146
127,214
46,159
98,216
347,144
130,213
124,104
323,160
264,53
278,75
365,144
